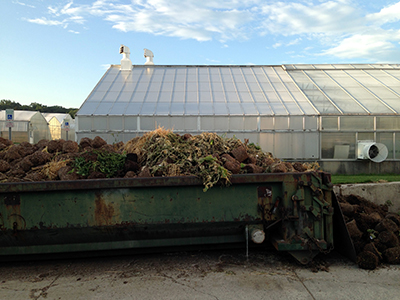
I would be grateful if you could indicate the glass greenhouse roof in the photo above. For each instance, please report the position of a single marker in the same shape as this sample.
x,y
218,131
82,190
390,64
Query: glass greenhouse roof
x,y
247,90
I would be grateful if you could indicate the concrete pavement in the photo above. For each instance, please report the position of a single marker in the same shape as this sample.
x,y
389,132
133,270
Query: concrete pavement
x,y
218,274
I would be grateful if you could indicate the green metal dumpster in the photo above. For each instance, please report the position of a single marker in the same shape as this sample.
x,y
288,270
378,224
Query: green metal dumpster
x,y
293,211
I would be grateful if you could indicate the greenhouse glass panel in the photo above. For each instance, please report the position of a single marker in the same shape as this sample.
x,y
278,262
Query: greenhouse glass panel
x,y
249,109
267,87
168,86
115,123
386,138
147,123
236,123
104,86
88,108
207,124
206,108
204,86
394,104
85,123
110,97
178,123
281,123
397,145
164,97
191,109
164,122
232,97
254,87
365,136
103,108
220,108
96,96
245,97
250,123
235,109
142,86
382,92
155,86
178,97
177,109
388,123
311,123
133,108
241,87
264,109
162,108
116,86
148,108
118,108
219,97
278,108
190,123
283,145
221,123
151,97
205,97
329,123
332,140
376,106
356,123
267,123
278,86
258,97
191,97
216,87
124,97
100,123
293,108
191,87
296,123
229,87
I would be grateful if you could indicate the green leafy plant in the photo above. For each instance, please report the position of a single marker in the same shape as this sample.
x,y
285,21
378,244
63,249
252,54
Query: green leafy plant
x,y
108,163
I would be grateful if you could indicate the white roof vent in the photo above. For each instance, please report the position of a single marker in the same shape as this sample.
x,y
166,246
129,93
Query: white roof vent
x,y
126,63
149,57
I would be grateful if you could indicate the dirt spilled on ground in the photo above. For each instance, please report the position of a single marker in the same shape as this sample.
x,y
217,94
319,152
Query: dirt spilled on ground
x,y
373,229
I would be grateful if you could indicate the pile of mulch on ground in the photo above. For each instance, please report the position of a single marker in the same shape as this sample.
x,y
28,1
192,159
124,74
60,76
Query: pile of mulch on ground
x,y
158,153
374,231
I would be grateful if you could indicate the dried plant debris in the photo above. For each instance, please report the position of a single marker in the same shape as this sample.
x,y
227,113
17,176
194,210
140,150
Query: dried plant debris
x,y
157,153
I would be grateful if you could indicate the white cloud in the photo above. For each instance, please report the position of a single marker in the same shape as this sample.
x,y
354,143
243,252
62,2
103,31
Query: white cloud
x,y
376,46
386,15
44,21
342,27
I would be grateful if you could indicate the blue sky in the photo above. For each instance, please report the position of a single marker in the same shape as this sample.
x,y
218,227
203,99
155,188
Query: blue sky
x,y
54,51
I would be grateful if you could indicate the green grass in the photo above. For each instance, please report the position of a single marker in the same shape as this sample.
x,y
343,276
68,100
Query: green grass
x,y
364,178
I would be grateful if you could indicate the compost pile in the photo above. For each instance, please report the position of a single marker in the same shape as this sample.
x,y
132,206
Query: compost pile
x,y
157,153
373,229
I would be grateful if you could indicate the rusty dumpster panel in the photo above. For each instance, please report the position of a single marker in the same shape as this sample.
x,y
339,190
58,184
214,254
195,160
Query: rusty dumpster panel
x,y
104,214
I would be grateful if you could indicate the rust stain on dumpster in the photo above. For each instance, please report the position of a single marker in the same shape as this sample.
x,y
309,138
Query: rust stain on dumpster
x,y
103,212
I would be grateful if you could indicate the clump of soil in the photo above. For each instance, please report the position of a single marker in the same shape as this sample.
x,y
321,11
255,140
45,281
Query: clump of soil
x,y
158,153
374,231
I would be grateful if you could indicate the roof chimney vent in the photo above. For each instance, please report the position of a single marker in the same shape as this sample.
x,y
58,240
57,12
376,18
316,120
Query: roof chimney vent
x,y
149,57
126,63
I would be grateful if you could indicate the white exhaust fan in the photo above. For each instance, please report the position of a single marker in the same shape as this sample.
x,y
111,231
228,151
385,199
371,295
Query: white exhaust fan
x,y
149,57
375,152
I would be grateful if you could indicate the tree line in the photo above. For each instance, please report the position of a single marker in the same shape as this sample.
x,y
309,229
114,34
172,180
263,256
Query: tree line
x,y
8,104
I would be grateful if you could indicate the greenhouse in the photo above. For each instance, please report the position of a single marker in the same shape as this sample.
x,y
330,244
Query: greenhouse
x,y
27,126
61,126
323,113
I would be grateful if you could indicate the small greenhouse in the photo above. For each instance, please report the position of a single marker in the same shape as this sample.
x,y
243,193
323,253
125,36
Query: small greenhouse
x,y
28,126
344,116
61,126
